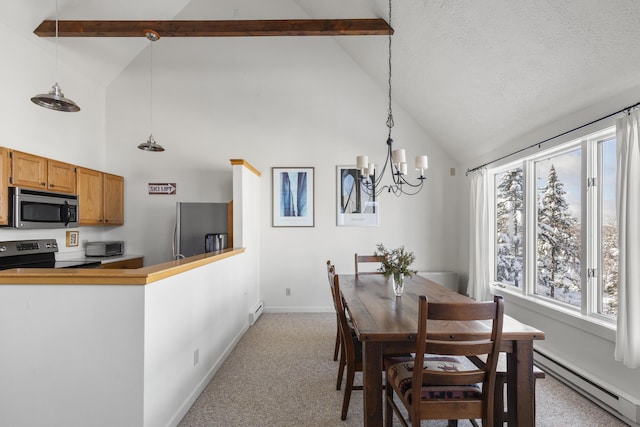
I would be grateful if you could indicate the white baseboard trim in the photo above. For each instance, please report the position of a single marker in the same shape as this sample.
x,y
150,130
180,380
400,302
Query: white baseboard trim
x,y
190,400
328,309
604,395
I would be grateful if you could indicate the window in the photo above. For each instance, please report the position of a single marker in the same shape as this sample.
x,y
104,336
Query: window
x,y
555,225
558,224
509,227
607,230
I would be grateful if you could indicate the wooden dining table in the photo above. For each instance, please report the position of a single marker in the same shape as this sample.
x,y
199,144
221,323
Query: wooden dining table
x,y
386,324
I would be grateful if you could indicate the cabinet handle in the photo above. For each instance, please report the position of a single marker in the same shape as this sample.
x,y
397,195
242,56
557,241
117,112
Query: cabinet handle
x,y
51,185
44,184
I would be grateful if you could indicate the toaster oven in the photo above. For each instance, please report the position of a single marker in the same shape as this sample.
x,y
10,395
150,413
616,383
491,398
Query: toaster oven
x,y
110,248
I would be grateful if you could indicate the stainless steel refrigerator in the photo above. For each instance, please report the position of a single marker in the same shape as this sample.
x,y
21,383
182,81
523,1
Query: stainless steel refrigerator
x,y
194,222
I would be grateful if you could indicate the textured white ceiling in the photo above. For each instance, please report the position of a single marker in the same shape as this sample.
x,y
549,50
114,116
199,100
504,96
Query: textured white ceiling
x,y
474,74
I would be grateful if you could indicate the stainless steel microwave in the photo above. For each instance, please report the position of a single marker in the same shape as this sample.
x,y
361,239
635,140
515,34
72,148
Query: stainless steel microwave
x,y
42,209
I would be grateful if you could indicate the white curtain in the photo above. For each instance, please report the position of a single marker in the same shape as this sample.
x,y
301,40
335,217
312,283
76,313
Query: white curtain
x,y
479,239
628,212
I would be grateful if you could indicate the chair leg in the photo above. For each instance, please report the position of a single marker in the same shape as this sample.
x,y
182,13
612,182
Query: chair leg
x,y
388,408
351,373
498,399
452,423
341,366
336,350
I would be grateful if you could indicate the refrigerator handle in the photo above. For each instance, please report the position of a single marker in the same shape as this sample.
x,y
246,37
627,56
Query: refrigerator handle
x,y
174,242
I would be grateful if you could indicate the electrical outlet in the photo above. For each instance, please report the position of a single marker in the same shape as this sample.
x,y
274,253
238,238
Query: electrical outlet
x,y
196,356
287,292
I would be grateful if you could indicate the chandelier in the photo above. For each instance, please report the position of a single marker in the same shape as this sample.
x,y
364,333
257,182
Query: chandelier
x,y
396,160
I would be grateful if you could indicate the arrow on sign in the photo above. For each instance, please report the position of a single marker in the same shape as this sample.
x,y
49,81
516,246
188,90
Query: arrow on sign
x,y
162,188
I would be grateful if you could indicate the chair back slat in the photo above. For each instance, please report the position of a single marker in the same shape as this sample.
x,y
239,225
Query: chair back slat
x,y
461,348
359,259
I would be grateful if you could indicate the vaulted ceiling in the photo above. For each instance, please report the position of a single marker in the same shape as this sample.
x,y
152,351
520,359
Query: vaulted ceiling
x,y
474,74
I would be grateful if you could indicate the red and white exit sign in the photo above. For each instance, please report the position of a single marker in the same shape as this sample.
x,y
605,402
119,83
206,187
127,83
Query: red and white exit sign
x,y
162,188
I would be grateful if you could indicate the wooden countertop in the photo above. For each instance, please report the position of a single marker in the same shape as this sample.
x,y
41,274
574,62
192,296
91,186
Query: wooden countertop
x,y
98,276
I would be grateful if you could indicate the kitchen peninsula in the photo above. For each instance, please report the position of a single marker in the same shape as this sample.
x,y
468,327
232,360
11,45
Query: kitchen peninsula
x,y
127,347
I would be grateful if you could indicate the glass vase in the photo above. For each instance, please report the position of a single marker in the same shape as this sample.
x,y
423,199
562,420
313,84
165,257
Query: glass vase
x,y
397,281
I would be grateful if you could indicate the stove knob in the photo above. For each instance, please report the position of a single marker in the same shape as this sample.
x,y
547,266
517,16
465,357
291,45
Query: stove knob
x,y
3,248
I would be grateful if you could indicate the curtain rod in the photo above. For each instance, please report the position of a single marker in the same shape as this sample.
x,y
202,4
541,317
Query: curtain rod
x,y
538,144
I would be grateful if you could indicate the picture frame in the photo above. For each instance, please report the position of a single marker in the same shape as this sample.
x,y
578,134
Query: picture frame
x,y
293,194
72,238
355,207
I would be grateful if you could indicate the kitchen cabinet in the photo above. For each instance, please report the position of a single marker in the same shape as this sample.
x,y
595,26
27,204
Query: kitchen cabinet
x,y
4,186
113,199
28,170
61,176
101,197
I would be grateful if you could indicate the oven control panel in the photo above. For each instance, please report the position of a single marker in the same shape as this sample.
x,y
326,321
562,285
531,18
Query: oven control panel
x,y
25,247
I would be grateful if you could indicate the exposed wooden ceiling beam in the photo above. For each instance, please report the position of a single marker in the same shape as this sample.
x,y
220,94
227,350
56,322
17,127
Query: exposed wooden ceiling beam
x,y
235,28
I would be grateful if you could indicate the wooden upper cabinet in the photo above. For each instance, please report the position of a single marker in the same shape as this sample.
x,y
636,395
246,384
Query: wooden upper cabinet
x,y
90,196
61,176
101,197
28,170
5,166
113,200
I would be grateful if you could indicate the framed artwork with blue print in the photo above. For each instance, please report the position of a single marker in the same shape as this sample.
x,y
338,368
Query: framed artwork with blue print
x,y
293,197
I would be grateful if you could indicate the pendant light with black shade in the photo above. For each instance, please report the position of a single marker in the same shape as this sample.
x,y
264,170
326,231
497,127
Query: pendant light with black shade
x,y
151,144
55,99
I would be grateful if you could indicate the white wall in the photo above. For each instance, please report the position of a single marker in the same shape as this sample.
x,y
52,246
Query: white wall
x,y
246,226
204,310
71,353
274,101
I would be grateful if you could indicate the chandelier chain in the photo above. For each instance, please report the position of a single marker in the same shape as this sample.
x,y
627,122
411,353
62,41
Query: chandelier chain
x,y
390,110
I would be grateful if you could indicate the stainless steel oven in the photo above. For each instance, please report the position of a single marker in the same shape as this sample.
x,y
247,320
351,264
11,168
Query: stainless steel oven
x,y
42,209
38,253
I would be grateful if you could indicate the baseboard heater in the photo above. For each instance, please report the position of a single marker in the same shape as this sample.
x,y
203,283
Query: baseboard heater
x,y
619,406
255,313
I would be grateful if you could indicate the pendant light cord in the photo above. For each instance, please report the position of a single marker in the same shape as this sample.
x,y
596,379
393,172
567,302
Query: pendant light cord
x,y
151,87
390,111
56,42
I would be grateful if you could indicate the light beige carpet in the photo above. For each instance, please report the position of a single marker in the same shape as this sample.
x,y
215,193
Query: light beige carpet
x,y
282,374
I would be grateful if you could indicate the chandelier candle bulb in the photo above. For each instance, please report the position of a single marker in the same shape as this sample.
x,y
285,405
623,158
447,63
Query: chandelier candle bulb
x,y
371,169
403,168
362,162
422,163
399,156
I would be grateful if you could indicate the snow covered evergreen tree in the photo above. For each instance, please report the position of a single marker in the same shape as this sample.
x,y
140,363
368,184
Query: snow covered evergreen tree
x,y
510,201
610,267
558,243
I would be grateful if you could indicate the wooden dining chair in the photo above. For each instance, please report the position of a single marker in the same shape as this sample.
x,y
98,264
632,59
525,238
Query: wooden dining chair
x,y
351,350
330,272
441,382
359,259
